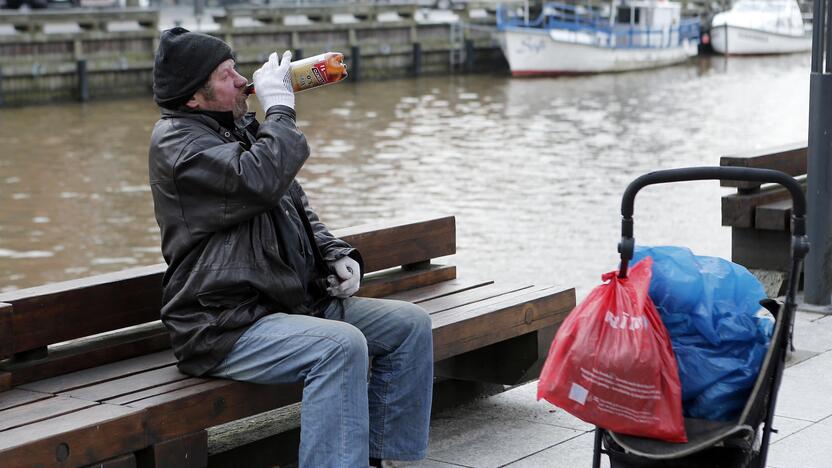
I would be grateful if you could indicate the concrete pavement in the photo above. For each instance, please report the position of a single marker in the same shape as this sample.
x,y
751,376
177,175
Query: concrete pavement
x,y
513,429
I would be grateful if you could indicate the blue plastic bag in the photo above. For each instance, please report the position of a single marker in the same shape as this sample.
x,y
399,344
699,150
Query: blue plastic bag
x,y
710,308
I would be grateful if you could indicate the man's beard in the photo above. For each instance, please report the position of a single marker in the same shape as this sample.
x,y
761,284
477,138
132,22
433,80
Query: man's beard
x,y
240,107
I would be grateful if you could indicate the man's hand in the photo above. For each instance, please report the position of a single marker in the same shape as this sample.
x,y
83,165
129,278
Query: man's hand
x,y
273,82
349,273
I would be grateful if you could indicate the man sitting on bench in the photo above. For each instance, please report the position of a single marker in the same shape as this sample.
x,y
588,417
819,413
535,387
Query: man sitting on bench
x,y
257,289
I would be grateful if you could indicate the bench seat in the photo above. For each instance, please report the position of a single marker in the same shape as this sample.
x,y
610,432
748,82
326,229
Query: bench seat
x,y
141,411
760,215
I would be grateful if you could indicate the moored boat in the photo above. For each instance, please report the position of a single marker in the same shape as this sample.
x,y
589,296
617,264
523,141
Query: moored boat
x,y
753,27
572,39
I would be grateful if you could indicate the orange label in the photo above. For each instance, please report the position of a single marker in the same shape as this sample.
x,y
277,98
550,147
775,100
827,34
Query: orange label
x,y
309,75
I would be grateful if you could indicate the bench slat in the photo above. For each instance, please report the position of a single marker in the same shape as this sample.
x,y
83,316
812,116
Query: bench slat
x,y
92,352
403,280
215,402
40,410
63,383
394,244
126,385
738,209
471,327
438,290
93,306
774,216
89,435
17,397
6,332
790,158
154,391
470,296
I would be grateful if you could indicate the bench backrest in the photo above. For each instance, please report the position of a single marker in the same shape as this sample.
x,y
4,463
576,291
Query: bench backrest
x,y
33,319
790,158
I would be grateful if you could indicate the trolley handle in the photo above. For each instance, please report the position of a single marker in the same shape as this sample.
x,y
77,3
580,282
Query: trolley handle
x,y
627,245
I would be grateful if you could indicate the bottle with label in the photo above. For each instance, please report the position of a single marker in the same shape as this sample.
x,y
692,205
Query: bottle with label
x,y
311,72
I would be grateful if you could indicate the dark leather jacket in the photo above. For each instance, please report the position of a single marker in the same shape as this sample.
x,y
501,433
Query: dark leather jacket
x,y
238,235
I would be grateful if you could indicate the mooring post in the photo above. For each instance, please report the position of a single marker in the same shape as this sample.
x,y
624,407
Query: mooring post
x,y
470,55
417,58
355,57
818,271
83,81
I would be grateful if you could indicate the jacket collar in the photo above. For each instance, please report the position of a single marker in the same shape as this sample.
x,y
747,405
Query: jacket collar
x,y
216,120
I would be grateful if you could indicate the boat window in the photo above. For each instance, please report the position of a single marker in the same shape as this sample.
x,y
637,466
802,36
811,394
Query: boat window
x,y
627,15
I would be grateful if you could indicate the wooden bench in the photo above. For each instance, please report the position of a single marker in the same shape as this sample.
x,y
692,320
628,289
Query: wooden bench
x,y
759,215
88,377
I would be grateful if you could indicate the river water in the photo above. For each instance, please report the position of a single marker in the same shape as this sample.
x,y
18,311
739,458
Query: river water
x,y
533,169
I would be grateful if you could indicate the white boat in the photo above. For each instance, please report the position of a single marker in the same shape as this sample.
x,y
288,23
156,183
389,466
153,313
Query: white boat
x,y
570,39
753,27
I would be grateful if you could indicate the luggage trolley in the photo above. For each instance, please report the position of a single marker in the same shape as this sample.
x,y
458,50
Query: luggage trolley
x,y
742,442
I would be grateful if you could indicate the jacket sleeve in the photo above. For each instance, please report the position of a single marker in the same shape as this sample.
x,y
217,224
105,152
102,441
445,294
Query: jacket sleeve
x,y
331,247
220,184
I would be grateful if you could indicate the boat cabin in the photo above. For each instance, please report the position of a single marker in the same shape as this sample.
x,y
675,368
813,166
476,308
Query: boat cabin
x,y
646,23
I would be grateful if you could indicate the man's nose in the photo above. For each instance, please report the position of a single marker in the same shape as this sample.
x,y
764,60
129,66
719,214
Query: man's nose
x,y
240,81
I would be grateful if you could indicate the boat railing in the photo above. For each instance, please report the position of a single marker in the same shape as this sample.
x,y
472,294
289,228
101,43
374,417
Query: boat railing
x,y
586,26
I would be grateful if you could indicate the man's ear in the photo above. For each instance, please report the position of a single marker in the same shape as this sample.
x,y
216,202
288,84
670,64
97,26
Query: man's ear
x,y
192,103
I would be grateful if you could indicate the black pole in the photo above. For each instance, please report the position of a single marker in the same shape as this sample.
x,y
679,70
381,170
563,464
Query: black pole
x,y
470,55
2,96
83,81
818,275
417,58
355,56
297,54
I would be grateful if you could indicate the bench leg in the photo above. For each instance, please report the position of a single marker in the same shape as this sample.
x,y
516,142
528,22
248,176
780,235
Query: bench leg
x,y
5,381
124,461
187,451
508,362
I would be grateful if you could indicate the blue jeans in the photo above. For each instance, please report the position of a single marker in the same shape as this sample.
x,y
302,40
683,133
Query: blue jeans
x,y
344,418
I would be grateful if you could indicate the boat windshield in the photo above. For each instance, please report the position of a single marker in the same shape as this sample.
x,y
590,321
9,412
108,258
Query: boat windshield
x,y
759,6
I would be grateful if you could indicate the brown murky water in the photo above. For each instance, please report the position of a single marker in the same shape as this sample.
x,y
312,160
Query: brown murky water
x,y
533,168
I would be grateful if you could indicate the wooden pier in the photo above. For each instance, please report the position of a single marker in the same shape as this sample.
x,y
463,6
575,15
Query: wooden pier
x,y
88,54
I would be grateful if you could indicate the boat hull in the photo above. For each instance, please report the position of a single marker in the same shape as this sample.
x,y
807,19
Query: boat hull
x,y
736,40
531,51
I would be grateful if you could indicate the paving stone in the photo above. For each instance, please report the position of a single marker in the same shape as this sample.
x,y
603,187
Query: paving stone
x,y
813,333
427,463
787,426
807,448
520,403
805,390
575,452
797,356
484,443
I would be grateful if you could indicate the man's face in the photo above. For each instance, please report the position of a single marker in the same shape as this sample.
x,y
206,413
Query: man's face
x,y
225,91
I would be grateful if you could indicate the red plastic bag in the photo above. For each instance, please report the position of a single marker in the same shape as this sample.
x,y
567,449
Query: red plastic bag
x,y
611,362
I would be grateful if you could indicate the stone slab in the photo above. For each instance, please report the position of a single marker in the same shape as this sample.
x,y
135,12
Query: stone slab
x,y
484,443
575,452
808,448
813,333
806,388
427,463
787,426
520,403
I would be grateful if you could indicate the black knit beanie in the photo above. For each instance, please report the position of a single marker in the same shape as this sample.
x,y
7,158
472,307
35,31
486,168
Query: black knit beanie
x,y
184,62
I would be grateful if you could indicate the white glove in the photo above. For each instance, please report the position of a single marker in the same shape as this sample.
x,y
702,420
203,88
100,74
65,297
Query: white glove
x,y
349,273
273,82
